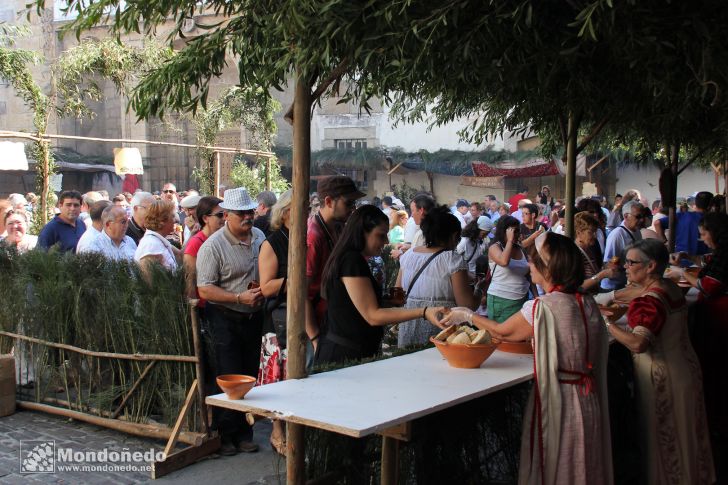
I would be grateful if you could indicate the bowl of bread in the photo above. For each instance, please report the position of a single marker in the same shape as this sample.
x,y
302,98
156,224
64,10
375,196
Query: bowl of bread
x,y
465,347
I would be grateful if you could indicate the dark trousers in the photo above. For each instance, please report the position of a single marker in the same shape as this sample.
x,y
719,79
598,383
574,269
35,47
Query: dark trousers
x,y
233,343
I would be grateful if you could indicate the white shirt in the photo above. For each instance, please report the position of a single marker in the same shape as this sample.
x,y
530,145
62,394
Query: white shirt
x,y
470,252
104,245
461,218
86,239
153,244
410,229
617,241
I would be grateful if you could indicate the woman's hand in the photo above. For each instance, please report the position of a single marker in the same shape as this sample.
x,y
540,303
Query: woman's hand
x,y
457,316
676,257
610,271
510,234
431,315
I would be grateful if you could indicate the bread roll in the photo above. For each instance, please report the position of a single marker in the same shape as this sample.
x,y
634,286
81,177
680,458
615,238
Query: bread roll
x,y
461,338
481,337
467,329
442,336
454,335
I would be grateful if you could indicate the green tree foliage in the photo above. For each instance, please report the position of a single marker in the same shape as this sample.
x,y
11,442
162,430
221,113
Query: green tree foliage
x,y
252,176
237,106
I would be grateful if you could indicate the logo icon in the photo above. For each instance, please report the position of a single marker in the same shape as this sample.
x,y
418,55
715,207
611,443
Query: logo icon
x,y
37,456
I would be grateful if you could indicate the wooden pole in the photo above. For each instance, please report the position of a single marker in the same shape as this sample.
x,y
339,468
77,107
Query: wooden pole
x,y
46,184
571,174
136,429
390,449
139,380
297,287
267,173
174,436
674,155
199,368
108,355
216,190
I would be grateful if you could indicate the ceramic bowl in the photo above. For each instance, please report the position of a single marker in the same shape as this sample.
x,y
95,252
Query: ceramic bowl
x,y
235,386
465,356
524,347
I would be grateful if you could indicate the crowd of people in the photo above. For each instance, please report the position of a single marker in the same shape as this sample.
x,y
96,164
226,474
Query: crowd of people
x,y
501,266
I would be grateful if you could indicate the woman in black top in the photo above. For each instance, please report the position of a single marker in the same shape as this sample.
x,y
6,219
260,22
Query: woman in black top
x,y
273,268
355,315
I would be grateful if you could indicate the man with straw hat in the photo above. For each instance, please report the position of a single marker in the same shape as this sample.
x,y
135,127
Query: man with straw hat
x,y
227,277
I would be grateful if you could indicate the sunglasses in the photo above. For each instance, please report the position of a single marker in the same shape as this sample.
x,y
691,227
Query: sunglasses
x,y
168,191
219,215
632,262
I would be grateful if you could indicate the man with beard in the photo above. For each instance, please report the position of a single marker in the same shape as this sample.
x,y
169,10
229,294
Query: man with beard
x,y
338,195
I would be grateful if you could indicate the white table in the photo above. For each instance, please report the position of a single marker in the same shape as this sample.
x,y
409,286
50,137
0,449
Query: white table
x,y
365,399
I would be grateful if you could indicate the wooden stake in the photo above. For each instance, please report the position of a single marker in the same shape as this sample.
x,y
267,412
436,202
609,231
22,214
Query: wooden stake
x,y
118,411
570,201
297,287
136,429
180,419
199,368
674,155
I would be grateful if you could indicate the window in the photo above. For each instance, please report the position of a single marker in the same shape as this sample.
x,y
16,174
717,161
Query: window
x,y
351,144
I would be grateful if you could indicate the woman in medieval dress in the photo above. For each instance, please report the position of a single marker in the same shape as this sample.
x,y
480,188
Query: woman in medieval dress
x,y
566,435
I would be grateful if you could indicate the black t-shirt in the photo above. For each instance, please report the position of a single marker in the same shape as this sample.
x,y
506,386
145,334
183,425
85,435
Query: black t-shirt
x,y
526,232
344,320
263,223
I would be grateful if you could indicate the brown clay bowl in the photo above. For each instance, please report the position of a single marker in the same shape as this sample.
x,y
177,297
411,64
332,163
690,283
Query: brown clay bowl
x,y
235,386
524,347
465,356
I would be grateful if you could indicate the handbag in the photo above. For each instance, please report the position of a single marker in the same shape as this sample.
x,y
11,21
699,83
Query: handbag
x,y
275,315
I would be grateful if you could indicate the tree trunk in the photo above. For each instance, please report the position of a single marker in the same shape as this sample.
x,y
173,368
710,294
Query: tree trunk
x,y
297,287
430,177
45,181
570,202
267,173
674,154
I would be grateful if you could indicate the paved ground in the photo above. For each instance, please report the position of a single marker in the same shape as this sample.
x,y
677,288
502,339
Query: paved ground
x,y
264,467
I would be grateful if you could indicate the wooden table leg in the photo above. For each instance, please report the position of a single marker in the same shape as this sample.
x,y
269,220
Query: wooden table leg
x,y
390,460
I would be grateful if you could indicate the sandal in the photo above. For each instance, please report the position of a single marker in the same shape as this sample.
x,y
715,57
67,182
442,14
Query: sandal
x,y
278,445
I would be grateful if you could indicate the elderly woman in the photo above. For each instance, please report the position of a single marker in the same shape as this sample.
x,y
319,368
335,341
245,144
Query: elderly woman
x,y
355,316
711,316
566,435
16,224
667,372
154,247
586,227
433,275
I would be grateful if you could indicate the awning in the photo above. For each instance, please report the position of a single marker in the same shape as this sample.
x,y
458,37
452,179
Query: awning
x,y
534,167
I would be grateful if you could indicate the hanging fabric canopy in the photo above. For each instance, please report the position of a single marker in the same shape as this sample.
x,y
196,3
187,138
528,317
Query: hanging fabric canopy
x,y
533,167
537,167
